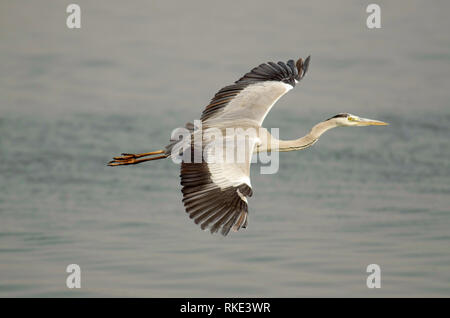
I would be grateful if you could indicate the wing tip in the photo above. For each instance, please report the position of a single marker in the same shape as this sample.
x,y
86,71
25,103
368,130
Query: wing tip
x,y
302,66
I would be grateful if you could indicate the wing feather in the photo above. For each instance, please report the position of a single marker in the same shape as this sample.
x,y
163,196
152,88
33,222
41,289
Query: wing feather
x,y
279,78
215,193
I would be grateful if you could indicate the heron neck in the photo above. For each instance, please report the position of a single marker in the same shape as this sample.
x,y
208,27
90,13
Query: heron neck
x,y
307,140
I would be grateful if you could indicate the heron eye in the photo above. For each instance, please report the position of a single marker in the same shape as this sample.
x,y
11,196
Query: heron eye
x,y
350,118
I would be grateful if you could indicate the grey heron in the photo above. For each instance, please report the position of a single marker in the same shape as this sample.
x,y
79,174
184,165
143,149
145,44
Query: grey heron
x,y
215,193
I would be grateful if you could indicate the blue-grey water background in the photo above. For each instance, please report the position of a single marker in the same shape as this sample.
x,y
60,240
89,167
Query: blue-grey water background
x,y
71,99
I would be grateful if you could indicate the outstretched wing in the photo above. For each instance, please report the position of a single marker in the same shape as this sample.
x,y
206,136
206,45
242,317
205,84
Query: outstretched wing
x,y
215,191
254,94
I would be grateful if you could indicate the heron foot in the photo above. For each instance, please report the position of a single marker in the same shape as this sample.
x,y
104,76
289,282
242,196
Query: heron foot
x,y
126,156
132,159
125,159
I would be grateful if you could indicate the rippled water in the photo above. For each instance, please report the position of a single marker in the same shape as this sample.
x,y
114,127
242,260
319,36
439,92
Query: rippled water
x,y
70,99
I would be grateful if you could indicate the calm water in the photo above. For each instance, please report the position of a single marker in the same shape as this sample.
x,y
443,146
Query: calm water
x,y
70,99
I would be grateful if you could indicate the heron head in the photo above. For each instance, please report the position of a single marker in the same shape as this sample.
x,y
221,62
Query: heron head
x,y
349,120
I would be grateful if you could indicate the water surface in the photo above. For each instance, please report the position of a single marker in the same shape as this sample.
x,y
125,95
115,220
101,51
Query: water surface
x,y
70,99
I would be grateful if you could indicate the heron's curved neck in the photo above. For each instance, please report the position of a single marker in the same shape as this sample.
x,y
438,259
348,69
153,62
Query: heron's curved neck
x,y
309,139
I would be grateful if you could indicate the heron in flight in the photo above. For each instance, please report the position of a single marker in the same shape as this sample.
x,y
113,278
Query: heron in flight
x,y
215,193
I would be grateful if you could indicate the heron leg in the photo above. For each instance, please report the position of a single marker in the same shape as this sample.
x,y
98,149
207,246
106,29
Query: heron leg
x,y
132,159
126,156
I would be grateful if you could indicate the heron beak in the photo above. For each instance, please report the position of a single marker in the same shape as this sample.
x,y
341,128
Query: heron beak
x,y
371,122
